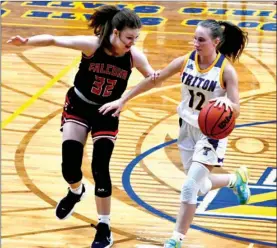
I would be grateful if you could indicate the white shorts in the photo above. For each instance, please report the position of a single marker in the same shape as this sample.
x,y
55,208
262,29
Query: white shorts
x,y
195,146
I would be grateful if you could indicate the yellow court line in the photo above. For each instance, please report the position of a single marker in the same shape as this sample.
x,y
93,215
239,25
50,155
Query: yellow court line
x,y
39,93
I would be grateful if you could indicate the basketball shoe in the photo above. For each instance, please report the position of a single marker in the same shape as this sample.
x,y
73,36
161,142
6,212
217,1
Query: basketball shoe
x,y
241,188
172,243
103,237
66,206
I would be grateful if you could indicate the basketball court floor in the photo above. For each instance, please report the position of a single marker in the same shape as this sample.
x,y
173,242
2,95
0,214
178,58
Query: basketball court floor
x,y
145,168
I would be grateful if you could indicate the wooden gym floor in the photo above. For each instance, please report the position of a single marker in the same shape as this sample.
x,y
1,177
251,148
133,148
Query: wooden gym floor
x,y
145,167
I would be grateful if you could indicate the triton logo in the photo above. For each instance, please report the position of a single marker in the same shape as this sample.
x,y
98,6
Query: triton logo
x,y
206,150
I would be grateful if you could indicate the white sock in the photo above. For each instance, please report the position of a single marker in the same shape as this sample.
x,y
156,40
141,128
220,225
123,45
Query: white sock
x,y
104,219
178,236
77,191
233,179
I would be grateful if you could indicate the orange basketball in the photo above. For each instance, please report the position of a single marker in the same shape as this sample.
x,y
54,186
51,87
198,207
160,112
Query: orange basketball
x,y
215,122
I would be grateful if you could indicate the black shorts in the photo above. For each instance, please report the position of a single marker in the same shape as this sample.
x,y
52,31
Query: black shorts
x,y
78,111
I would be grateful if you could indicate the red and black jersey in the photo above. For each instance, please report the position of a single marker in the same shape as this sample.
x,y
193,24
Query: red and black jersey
x,y
103,78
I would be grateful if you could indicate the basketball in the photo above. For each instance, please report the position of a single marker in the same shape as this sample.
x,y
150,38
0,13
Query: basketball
x,y
216,123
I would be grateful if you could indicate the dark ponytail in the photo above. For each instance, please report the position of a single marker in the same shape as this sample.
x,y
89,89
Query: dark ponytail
x,y
108,17
232,38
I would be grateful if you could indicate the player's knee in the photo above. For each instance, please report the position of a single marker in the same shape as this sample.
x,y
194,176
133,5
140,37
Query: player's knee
x,y
205,187
189,191
197,175
72,155
102,152
103,185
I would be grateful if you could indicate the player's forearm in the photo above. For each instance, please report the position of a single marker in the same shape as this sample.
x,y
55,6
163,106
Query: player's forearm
x,y
40,40
144,86
236,109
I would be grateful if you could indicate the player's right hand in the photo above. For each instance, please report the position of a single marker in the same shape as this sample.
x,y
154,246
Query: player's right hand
x,y
17,40
116,105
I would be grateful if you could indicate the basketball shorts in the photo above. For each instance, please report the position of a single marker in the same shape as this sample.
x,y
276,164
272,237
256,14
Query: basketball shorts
x,y
78,111
195,146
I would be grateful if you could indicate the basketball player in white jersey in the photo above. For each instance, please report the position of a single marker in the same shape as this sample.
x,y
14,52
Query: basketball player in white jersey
x,y
206,75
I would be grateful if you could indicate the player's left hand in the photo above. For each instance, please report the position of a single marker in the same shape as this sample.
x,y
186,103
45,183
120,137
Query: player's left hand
x,y
220,101
116,105
17,40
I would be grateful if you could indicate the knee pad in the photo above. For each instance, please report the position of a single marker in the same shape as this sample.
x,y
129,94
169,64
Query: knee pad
x,y
189,191
205,187
197,174
102,152
72,155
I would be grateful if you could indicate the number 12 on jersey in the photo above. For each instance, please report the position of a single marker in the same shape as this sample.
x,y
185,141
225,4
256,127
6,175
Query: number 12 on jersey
x,y
99,83
201,101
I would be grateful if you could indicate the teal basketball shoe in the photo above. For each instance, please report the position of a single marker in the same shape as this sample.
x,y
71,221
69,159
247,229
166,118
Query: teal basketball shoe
x,y
241,188
172,243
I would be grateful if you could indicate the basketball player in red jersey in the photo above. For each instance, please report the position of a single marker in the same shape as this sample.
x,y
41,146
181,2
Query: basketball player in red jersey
x,y
206,75
105,67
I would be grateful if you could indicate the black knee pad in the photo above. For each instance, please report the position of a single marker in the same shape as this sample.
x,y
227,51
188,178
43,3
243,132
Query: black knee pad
x,y
102,152
72,155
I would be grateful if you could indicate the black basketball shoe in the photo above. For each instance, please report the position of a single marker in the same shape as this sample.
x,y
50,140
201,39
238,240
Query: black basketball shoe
x,y
65,207
103,237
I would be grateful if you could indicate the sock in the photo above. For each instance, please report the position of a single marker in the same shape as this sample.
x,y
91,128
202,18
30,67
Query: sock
x,y
233,179
77,191
178,236
104,219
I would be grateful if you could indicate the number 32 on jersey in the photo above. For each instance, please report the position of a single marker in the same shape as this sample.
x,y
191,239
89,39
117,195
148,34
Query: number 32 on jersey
x,y
103,86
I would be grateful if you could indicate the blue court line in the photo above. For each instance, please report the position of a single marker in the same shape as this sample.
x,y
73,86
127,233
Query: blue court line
x,y
128,188
255,124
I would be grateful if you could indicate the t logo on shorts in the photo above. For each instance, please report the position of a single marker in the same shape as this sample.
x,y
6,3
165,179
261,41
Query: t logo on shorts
x,y
206,150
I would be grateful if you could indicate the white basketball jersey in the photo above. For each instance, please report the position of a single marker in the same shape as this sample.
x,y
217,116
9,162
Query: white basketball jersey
x,y
199,86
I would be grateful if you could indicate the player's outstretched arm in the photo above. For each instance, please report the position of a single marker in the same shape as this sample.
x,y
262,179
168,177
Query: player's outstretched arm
x,y
145,85
86,44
